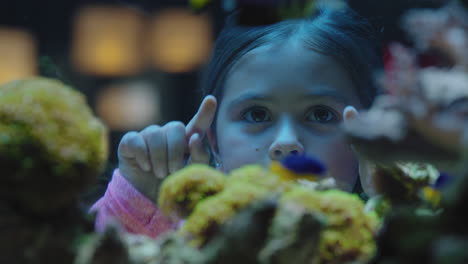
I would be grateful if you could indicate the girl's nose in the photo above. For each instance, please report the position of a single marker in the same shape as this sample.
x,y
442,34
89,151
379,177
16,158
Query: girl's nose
x,y
280,151
285,143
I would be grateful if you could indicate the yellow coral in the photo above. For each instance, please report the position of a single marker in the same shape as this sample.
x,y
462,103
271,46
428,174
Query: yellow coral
x,y
212,212
258,176
181,191
349,233
51,145
57,116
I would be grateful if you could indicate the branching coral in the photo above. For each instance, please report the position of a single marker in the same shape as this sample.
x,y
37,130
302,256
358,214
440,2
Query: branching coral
x,y
423,115
443,29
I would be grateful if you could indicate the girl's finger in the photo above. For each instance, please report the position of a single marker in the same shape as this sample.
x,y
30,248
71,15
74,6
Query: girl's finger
x,y
198,152
156,142
132,148
202,120
349,113
176,145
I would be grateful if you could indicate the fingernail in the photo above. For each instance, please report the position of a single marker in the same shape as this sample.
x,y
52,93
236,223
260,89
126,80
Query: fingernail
x,y
350,112
351,108
194,137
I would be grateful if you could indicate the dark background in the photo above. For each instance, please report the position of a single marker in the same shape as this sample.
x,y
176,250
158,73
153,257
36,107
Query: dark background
x,y
51,21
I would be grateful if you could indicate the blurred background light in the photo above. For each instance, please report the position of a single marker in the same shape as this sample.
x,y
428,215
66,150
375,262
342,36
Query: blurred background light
x,y
107,41
18,54
129,105
179,40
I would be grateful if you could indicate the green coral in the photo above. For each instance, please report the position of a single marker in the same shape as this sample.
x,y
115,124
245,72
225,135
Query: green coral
x,y
349,232
51,145
380,205
181,191
199,4
297,9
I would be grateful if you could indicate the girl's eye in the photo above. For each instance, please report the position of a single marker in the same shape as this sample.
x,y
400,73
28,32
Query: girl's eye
x,y
256,115
322,114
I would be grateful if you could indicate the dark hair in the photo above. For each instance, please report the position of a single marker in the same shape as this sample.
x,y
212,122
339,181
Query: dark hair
x,y
341,34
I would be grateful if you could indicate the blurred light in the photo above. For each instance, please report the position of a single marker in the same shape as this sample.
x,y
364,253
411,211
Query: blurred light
x,y
18,57
129,106
179,40
107,41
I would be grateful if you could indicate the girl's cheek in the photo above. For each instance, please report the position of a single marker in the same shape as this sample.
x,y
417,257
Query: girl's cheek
x,y
340,162
237,151
239,148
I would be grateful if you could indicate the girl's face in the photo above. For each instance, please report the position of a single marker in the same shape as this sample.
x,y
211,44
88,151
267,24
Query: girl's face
x,y
285,99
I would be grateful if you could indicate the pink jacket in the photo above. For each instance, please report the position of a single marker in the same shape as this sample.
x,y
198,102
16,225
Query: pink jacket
x,y
123,204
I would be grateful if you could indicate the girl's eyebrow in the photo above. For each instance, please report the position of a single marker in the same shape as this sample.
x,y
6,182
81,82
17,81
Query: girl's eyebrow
x,y
254,96
334,95
250,96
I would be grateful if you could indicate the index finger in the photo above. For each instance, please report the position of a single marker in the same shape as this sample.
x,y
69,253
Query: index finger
x,y
202,120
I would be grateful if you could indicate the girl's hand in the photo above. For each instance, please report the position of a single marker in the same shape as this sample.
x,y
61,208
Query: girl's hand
x,y
366,168
147,157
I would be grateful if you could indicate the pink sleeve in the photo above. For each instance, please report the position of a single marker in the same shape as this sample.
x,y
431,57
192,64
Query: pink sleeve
x,y
123,204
